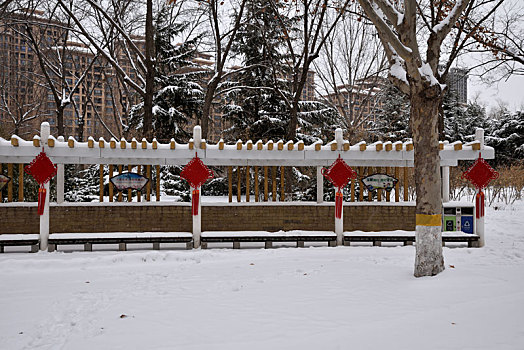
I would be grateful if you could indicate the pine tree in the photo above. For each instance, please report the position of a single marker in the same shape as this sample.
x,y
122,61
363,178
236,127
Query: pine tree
x,y
461,121
392,120
506,135
178,95
257,108
83,185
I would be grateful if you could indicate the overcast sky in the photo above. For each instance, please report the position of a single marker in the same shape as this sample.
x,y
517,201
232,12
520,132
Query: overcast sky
x,y
511,92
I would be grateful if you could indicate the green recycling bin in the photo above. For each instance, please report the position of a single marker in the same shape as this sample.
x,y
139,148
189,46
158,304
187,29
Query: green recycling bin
x,y
450,219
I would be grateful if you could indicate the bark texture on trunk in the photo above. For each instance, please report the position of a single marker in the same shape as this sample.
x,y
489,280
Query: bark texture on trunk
x,y
429,260
208,104
150,73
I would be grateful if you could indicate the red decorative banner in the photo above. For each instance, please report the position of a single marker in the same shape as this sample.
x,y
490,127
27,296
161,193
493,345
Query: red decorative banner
x,y
196,173
339,174
42,170
480,174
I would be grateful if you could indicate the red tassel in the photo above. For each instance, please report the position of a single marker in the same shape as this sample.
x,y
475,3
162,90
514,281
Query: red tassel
x,y
338,205
41,200
479,204
194,208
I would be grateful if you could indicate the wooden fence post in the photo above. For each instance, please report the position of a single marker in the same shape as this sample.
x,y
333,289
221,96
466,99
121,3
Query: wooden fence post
x,y
110,183
388,193
139,193
157,192
360,184
282,190
148,186
406,184
379,191
20,182
265,183
239,188
129,192
274,183
397,185
248,180
101,191
120,170
230,182
256,184
10,184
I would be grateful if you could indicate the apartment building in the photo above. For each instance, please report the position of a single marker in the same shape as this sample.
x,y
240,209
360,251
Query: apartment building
x,y
98,106
361,101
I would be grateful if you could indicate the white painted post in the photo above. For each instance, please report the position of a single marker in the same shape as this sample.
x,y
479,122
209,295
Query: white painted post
x,y
197,223
339,223
479,135
339,138
320,185
445,184
197,219
45,131
479,223
197,136
60,178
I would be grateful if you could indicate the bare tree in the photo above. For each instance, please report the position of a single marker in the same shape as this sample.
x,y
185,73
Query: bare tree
x,y
500,43
14,102
318,19
350,67
223,38
131,51
406,30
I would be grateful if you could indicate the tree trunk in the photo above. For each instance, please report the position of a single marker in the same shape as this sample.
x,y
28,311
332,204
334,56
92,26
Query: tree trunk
x,y
429,260
150,72
293,122
60,119
208,102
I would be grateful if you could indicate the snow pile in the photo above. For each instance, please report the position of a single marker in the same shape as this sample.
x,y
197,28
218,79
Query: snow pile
x,y
314,298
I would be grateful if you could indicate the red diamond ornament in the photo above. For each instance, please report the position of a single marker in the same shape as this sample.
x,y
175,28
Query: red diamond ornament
x,y
339,173
196,172
41,169
480,173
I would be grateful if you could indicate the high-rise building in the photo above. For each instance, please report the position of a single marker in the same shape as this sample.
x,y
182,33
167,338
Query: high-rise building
x,y
27,99
457,81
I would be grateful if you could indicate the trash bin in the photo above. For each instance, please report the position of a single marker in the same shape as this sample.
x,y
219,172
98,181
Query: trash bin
x,y
450,219
466,220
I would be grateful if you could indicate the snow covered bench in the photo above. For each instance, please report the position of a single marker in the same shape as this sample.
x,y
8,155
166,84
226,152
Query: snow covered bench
x,y
120,238
407,237
20,240
236,237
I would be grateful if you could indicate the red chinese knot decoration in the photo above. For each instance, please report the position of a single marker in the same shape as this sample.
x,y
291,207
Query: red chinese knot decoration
x,y
196,173
480,174
339,174
42,170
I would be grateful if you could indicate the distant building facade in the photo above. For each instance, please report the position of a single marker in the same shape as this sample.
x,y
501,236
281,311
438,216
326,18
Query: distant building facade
x,y
98,104
457,81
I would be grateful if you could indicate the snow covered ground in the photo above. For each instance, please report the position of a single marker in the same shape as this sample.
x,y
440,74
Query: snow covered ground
x,y
289,298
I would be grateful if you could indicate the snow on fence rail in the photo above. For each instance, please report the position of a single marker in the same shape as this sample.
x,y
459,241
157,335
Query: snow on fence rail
x,y
395,157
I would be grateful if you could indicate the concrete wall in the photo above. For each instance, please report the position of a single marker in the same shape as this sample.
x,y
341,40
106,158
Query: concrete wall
x,y
129,217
